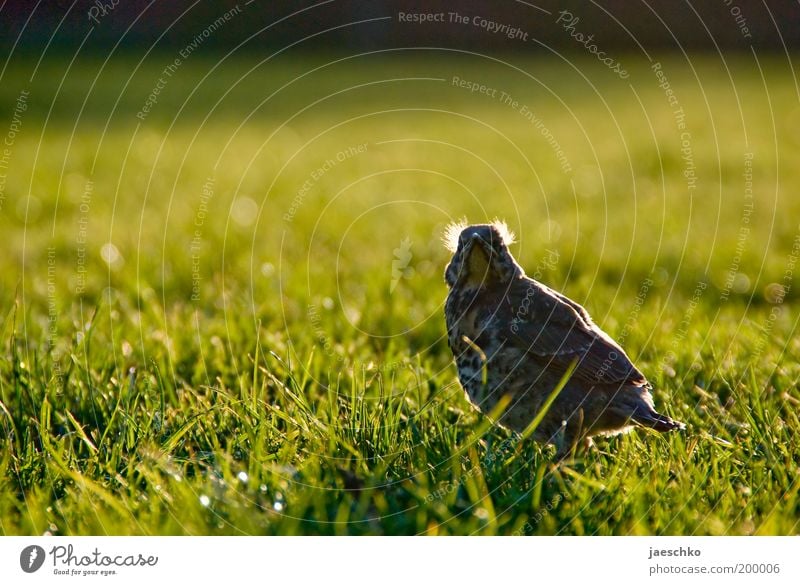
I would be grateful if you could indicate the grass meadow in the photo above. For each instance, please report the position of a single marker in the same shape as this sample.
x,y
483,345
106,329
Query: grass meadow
x,y
221,309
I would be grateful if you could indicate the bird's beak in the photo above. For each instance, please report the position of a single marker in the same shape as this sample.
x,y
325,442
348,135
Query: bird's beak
x,y
485,246
475,266
466,247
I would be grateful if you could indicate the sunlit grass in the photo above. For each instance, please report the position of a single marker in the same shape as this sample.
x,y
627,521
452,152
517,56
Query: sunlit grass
x,y
247,357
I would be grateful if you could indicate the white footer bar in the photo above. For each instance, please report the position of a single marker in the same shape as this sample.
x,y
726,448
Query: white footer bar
x,y
350,561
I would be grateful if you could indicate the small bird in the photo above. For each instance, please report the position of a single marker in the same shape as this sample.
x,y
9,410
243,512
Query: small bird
x,y
511,335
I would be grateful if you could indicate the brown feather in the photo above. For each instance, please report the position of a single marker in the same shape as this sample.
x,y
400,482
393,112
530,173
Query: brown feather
x,y
511,335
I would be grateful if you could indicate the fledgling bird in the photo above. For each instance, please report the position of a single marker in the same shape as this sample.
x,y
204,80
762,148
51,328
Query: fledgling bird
x,y
511,335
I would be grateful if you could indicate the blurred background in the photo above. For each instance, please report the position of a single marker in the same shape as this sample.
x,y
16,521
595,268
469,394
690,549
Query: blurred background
x,y
640,140
330,25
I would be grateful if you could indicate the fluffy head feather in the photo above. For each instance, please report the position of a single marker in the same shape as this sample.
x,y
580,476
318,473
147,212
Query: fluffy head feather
x,y
454,229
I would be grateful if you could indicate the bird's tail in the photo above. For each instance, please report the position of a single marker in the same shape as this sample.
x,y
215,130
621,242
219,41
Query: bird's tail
x,y
658,422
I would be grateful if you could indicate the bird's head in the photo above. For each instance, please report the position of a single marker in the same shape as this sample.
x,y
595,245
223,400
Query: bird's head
x,y
480,254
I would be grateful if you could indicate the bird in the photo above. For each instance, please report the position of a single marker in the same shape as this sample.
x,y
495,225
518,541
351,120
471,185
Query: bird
x,y
512,336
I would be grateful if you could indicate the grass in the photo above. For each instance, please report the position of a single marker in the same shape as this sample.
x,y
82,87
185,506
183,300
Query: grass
x,y
261,348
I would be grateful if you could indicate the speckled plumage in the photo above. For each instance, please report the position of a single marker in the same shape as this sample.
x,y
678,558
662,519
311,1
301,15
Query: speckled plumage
x,y
522,337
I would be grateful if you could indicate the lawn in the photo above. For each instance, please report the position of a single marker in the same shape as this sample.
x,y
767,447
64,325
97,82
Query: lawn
x,y
221,309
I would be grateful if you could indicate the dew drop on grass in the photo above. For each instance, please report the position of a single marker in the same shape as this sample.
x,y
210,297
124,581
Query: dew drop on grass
x,y
660,276
110,295
774,293
242,477
110,254
741,283
244,211
267,269
205,501
352,314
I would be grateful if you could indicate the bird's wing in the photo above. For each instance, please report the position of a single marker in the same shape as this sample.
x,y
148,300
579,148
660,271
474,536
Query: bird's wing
x,y
556,331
